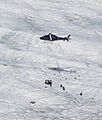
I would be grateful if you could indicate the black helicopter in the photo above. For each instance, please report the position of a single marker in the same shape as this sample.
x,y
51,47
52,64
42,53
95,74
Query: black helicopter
x,y
52,37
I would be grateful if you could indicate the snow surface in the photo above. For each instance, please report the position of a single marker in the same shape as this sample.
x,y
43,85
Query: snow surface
x,y
26,61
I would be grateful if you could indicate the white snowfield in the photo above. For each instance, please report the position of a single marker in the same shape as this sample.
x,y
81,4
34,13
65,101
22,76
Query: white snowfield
x,y
26,61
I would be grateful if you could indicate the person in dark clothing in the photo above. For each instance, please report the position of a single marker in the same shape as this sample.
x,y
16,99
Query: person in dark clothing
x,y
52,37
